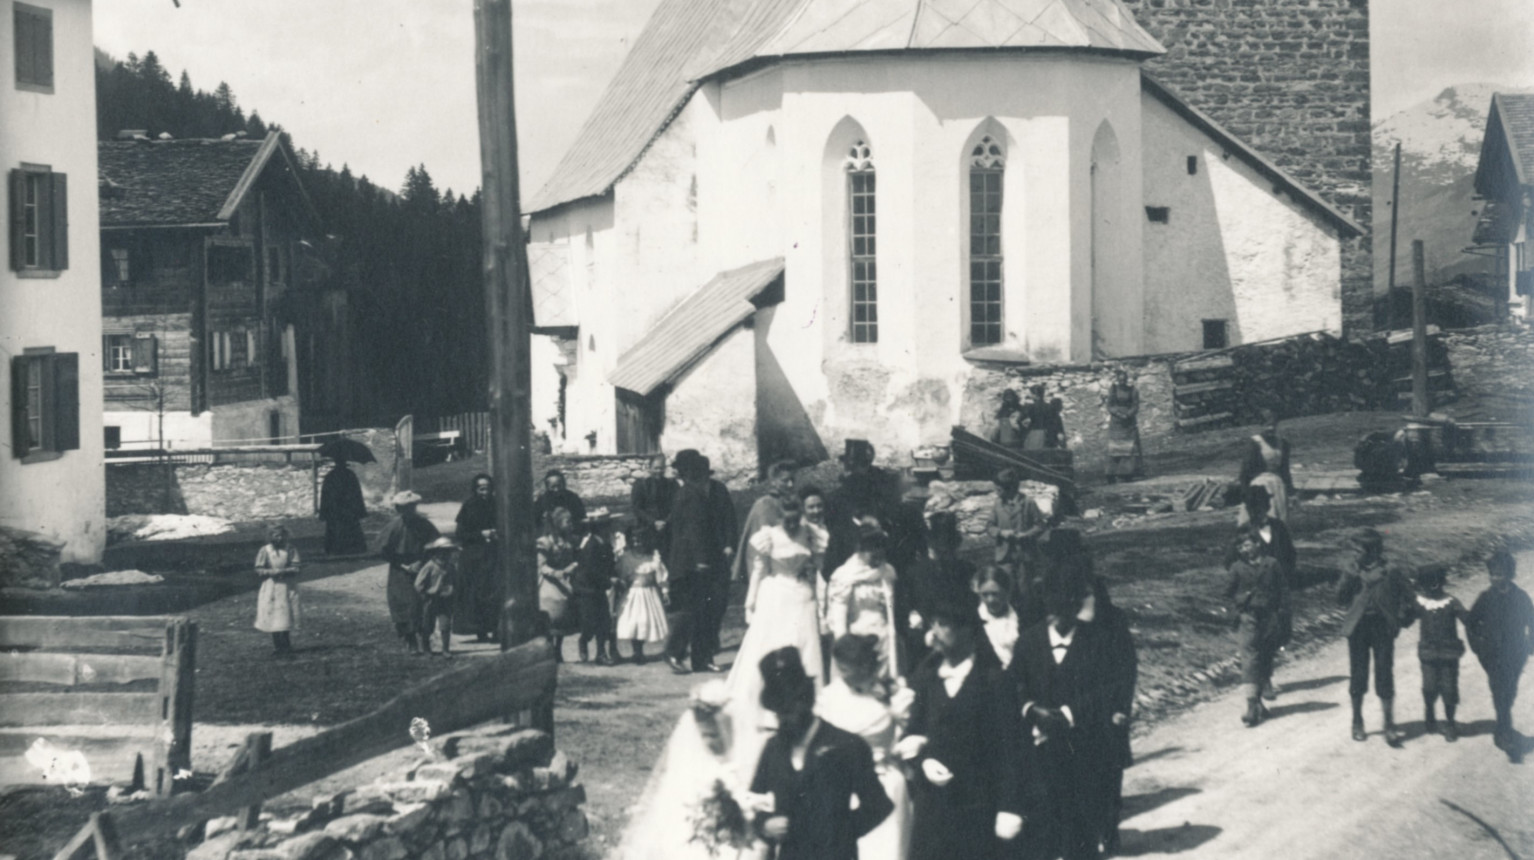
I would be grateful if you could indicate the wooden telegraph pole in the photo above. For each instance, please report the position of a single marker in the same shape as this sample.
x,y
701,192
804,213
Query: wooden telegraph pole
x,y
1420,404
507,315
1395,215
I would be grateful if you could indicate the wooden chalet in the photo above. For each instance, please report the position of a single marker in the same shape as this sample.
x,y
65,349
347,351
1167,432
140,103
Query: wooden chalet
x,y
204,262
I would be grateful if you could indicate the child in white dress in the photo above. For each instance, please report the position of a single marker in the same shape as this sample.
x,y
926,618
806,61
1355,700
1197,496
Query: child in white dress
x,y
642,617
277,564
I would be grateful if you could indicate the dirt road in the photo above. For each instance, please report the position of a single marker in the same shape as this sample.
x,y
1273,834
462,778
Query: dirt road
x,y
1298,786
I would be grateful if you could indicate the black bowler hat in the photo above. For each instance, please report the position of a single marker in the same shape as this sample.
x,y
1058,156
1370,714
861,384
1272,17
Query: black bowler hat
x,y
784,682
1256,495
686,460
858,450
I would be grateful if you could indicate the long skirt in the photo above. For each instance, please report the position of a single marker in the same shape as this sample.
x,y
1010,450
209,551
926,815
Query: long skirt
x,y
1124,456
1278,499
276,606
480,591
404,602
643,616
344,537
786,614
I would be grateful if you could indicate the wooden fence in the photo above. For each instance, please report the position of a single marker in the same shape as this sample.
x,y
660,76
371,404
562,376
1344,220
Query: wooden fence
x,y
517,684
1204,391
473,428
88,668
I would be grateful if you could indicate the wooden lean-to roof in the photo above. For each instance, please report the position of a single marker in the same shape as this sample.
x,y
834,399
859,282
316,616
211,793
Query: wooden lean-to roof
x,y
193,182
687,41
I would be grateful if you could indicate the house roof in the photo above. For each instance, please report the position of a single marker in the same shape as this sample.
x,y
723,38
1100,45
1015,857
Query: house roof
x,y
1280,178
686,41
160,183
1510,126
690,329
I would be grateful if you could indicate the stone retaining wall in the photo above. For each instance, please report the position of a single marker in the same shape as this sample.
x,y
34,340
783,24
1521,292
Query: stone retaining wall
x,y
235,492
1492,360
495,793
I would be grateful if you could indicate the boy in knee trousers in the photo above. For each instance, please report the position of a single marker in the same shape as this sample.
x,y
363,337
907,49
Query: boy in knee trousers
x,y
1378,600
1501,631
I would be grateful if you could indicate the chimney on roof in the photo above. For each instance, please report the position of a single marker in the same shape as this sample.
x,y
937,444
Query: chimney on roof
x,y
133,134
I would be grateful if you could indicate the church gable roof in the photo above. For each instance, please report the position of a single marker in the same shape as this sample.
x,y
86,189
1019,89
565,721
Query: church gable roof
x,y
686,41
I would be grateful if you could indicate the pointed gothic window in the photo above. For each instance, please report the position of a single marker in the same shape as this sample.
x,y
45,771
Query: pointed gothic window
x,y
861,235
986,163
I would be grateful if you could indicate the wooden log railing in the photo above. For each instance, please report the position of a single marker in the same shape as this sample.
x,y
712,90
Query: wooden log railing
x,y
515,681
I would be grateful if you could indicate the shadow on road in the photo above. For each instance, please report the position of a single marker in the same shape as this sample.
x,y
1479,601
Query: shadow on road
x,y
1142,758
1314,683
1139,804
1299,708
1165,840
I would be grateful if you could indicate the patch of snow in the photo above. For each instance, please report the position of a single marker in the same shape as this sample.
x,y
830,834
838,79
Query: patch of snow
x,y
171,526
115,577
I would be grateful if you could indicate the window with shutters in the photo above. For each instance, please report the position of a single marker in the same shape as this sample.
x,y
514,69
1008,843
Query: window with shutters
x,y
34,48
39,221
45,406
136,354
862,237
218,350
987,161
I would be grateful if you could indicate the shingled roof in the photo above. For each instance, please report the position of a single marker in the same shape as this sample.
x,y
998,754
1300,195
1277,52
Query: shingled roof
x,y
1512,116
686,41
179,182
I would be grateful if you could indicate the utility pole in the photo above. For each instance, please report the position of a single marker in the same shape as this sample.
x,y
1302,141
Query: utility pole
x,y
1395,212
507,315
1420,403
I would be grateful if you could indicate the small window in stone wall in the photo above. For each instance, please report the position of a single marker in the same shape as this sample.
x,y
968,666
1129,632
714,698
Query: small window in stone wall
x,y
1216,334
1159,214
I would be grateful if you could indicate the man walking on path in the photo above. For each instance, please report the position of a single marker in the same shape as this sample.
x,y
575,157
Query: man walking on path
x,y
695,558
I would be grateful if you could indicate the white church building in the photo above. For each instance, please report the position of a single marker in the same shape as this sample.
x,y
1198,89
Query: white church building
x,y
788,222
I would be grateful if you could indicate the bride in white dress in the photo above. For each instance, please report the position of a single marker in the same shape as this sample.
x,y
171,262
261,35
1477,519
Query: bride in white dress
x,y
701,752
782,608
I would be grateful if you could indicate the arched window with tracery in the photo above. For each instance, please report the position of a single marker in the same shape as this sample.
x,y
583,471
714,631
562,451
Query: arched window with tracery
x,y
862,239
987,162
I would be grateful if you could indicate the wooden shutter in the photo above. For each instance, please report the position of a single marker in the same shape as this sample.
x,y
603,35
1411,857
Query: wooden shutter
x,y
146,354
66,400
57,224
26,28
42,51
20,445
18,219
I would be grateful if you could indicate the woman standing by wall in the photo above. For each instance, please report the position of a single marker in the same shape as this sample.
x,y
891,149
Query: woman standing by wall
x,y
1125,462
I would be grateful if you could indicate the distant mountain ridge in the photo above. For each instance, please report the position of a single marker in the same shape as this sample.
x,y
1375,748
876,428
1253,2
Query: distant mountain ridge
x,y
1440,145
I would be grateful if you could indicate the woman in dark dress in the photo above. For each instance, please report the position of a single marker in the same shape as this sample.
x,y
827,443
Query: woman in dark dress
x,y
403,545
1123,403
342,509
1007,431
480,585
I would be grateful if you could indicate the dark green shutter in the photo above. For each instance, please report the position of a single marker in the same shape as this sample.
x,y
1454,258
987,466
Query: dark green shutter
x,y
66,401
25,29
20,444
18,219
42,56
57,224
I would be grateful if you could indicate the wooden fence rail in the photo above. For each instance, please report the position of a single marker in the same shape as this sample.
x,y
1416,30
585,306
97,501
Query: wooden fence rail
x,y
522,679
473,428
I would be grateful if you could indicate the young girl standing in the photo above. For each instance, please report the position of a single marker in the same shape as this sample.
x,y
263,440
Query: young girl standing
x,y
1438,649
642,617
277,564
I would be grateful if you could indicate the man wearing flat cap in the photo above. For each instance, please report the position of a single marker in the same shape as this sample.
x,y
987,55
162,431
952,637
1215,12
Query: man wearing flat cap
x,y
813,770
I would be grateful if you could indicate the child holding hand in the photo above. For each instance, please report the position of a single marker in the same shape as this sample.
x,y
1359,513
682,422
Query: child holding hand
x,y
1438,648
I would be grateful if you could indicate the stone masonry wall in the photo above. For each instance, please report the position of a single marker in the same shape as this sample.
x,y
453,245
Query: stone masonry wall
x,y
1493,360
1290,77
495,793
235,492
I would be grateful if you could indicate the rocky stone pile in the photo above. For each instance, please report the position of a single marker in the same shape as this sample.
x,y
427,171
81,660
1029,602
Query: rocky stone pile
x,y
28,559
495,793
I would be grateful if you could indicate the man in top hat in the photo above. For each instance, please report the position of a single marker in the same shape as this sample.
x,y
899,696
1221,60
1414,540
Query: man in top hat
x,y
870,497
972,775
701,535
814,772
1068,682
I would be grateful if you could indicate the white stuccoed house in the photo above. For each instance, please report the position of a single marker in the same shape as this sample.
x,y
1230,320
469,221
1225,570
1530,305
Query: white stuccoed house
x,y
788,222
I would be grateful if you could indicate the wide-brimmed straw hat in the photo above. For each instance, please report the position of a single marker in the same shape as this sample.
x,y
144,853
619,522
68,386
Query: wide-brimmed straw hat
x,y
405,497
441,543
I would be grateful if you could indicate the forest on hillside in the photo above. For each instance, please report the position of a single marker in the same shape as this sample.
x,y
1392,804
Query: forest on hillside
x,y
408,259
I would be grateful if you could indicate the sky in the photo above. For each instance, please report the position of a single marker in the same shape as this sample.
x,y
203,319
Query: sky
x,y
382,85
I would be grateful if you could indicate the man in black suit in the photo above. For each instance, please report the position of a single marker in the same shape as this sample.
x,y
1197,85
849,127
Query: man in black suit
x,y
1070,691
695,560
813,770
725,525
651,498
964,738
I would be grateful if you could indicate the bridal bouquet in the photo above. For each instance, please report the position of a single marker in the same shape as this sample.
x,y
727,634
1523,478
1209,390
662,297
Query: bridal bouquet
x,y
721,820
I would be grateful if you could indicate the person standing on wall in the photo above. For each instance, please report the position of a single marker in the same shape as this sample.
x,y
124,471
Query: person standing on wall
x,y
342,509
1125,461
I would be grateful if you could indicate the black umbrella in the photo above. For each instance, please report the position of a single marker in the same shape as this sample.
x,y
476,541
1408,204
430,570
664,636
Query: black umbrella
x,y
343,449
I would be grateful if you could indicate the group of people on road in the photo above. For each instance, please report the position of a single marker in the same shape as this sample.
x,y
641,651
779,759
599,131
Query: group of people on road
x,y
971,712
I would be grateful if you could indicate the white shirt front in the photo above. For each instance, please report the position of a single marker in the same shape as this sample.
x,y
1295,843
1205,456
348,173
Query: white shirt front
x,y
953,676
1002,631
1060,645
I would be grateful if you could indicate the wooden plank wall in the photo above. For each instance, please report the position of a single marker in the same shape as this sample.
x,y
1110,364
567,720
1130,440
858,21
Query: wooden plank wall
x,y
132,391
